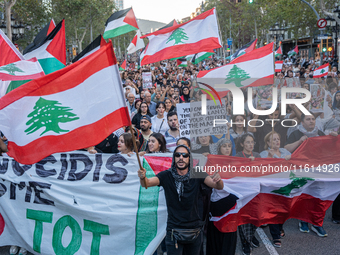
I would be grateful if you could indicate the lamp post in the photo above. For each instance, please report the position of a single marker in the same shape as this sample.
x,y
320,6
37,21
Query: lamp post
x,y
18,30
276,31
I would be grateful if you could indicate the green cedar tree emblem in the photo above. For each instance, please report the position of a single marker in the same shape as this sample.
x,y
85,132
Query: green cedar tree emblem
x,y
178,35
48,114
322,71
11,69
297,182
236,75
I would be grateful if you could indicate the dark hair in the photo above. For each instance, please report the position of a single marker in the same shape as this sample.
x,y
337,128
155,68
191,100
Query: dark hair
x,y
241,140
185,139
210,139
140,109
128,141
137,100
234,121
161,140
171,114
159,103
303,116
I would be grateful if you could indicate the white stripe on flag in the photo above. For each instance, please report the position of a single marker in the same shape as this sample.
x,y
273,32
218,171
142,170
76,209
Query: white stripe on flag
x,y
115,23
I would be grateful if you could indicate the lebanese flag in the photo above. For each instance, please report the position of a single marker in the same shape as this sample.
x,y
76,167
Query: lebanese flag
x,y
51,51
278,66
15,74
120,23
91,48
183,39
278,51
251,69
123,66
136,44
294,51
70,109
304,189
41,36
321,71
244,49
182,62
8,52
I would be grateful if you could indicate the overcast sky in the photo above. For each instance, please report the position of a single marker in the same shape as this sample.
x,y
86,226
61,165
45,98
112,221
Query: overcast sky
x,y
162,10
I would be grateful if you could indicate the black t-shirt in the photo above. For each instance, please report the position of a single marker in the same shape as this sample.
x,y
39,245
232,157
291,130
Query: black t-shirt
x,y
203,149
187,212
296,135
109,145
244,155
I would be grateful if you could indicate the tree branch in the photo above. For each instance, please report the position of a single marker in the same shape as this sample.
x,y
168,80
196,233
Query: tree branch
x,y
330,14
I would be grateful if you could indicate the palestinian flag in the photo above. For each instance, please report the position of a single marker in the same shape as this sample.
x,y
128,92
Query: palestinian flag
x,y
244,49
182,62
321,71
294,51
278,51
201,56
252,69
183,39
51,51
41,36
8,52
123,66
91,48
289,190
278,66
136,44
120,23
171,24
55,112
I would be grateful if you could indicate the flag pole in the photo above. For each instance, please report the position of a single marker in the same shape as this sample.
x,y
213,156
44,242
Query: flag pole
x,y
219,31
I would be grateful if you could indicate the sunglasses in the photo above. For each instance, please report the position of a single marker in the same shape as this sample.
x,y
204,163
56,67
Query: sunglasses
x,y
178,154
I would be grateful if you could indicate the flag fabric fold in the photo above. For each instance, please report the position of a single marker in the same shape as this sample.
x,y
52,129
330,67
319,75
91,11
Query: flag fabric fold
x,y
172,23
321,71
8,52
183,39
244,49
182,62
50,51
55,112
136,44
119,23
91,48
123,66
201,56
278,51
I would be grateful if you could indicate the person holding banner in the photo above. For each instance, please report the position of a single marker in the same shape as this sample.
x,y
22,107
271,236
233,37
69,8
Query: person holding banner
x,y
184,225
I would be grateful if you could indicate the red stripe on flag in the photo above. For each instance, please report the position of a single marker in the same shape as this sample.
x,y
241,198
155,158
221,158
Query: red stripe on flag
x,y
51,27
79,138
130,19
65,78
175,51
276,209
134,40
7,54
57,46
169,29
8,77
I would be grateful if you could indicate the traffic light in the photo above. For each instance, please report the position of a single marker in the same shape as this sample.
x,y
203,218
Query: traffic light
x,y
251,1
330,48
74,51
324,49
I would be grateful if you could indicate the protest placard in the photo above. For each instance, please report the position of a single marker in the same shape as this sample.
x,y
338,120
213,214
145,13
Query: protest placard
x,y
318,99
147,80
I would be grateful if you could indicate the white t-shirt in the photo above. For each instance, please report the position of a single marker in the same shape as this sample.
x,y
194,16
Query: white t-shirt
x,y
157,125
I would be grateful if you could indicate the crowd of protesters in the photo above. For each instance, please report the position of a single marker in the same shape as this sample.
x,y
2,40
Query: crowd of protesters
x,y
156,127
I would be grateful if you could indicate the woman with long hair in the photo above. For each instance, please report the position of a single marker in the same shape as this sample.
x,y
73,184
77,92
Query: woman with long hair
x,y
156,144
185,97
168,105
143,110
245,147
204,145
137,106
159,121
125,143
336,105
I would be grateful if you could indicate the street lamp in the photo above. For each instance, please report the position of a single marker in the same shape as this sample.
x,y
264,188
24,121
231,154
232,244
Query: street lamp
x,y
334,27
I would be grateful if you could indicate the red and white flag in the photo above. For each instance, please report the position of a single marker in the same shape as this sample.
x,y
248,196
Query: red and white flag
x,y
270,191
255,68
8,52
183,39
70,109
136,44
278,66
321,71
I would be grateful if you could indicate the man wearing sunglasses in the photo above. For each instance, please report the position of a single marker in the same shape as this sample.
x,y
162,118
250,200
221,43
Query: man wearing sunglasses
x,y
183,202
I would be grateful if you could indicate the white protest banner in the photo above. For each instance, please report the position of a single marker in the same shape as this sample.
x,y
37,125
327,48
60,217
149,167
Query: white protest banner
x,y
193,124
147,80
77,203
